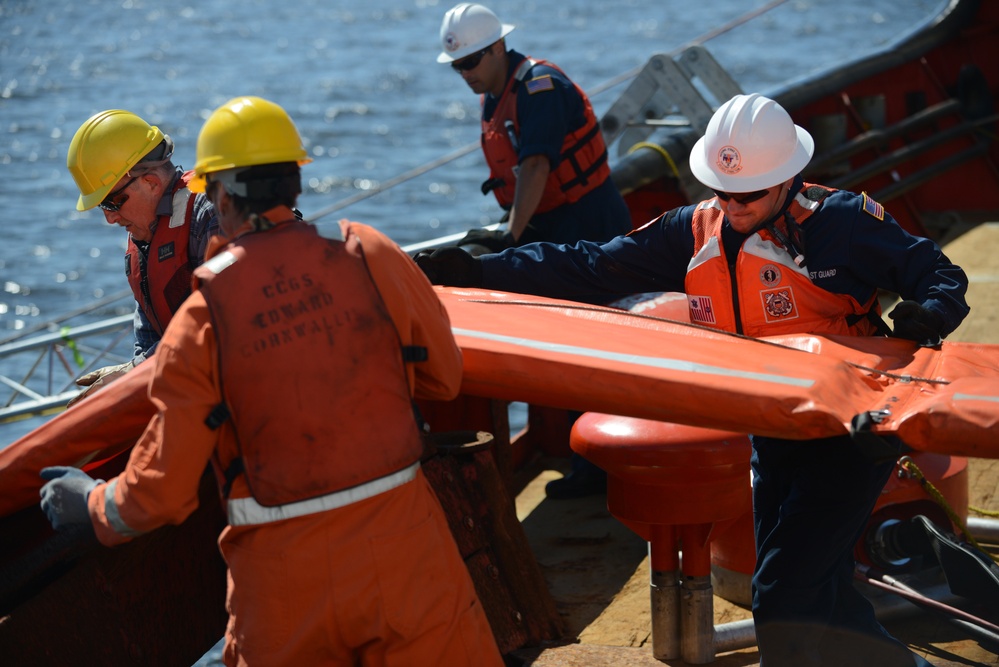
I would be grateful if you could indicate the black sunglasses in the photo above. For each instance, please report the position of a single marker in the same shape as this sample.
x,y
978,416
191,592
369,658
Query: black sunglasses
x,y
742,197
111,203
469,63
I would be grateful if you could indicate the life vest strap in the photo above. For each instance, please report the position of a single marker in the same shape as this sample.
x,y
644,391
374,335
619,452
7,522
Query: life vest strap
x,y
583,176
491,184
234,470
414,353
248,512
218,416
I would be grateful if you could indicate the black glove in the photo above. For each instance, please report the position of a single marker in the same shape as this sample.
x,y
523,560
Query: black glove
x,y
492,240
64,497
917,323
450,265
497,240
529,235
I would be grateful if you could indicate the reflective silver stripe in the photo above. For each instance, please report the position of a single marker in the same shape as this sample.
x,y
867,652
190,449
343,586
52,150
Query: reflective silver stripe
x,y
679,365
220,262
179,215
248,512
524,68
805,202
976,397
111,512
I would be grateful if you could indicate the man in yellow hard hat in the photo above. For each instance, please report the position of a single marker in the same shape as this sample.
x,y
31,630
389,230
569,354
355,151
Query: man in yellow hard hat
x,y
292,369
122,165
771,255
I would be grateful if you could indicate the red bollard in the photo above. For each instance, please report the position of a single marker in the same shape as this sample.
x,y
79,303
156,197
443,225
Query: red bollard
x,y
671,484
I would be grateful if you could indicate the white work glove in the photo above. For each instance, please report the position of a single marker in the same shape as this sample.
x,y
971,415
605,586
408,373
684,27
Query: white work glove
x,y
101,377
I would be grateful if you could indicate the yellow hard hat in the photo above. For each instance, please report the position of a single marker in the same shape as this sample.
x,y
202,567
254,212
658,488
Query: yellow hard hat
x,y
104,149
244,132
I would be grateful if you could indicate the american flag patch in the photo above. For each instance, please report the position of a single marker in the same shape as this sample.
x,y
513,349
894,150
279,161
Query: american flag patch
x,y
701,310
874,208
540,84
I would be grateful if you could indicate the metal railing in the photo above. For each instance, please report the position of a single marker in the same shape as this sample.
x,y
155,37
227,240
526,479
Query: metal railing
x,y
47,365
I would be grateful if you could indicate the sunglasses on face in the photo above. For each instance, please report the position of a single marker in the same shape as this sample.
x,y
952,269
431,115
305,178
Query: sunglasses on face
x,y
469,63
112,203
742,197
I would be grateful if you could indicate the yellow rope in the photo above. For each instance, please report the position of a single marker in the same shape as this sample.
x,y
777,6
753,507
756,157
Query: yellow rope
x,y
659,149
983,511
910,466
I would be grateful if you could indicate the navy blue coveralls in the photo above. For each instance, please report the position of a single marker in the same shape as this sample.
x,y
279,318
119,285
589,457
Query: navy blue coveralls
x,y
811,500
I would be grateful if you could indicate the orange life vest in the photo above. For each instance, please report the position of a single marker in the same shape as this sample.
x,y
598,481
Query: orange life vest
x,y
582,164
771,295
311,365
161,280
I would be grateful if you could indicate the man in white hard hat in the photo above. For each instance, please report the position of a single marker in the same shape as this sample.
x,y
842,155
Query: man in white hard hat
x,y
770,254
547,159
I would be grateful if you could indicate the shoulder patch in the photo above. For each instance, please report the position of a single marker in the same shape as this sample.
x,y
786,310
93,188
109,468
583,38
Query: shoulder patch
x,y
540,84
873,208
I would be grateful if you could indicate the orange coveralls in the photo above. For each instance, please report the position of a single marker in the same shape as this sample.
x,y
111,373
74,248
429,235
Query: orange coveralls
x,y
376,582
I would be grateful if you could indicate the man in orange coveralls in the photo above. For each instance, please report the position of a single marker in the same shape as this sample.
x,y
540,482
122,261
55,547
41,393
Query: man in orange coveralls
x,y
291,369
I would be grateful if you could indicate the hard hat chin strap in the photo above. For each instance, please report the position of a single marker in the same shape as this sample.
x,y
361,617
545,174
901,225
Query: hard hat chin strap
x,y
789,234
791,238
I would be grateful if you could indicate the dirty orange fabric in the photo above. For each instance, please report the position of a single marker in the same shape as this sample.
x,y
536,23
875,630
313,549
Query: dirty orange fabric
x,y
382,585
286,296
102,424
379,581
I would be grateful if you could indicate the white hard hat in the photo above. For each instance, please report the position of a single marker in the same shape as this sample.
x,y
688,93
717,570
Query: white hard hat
x,y
750,144
468,28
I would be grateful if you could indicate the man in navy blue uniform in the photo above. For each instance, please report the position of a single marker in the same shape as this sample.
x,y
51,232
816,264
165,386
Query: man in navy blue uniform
x,y
547,159
546,155
770,254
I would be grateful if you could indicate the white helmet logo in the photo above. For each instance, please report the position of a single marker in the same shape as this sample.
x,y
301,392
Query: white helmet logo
x,y
729,160
451,43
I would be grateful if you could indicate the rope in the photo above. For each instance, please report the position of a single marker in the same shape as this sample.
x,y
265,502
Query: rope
x,y
907,464
983,511
659,149
697,41
391,183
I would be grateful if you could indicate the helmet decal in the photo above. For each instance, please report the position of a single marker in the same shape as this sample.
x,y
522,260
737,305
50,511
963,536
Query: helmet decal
x,y
729,160
451,43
